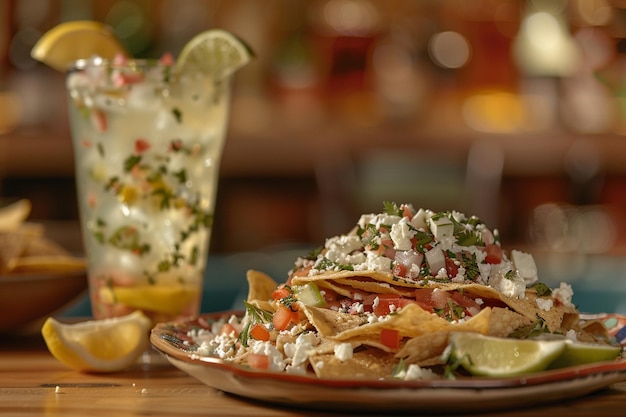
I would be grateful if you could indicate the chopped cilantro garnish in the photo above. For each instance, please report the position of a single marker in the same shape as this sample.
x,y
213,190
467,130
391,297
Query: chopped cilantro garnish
x,y
255,315
469,262
326,264
469,238
510,274
391,208
542,289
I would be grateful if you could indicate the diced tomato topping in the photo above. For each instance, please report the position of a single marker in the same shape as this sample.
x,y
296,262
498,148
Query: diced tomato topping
x,y
471,306
228,329
141,145
399,270
386,301
390,338
280,293
406,212
424,298
258,361
284,316
451,267
259,332
494,254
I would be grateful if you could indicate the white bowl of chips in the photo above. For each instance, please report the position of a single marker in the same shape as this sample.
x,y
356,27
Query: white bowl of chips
x,y
38,277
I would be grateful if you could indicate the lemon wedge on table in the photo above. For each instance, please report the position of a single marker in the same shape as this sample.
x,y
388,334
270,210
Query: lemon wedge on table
x,y
501,357
108,345
74,40
215,52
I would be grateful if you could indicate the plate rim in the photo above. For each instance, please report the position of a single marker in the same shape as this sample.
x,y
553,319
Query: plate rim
x,y
161,332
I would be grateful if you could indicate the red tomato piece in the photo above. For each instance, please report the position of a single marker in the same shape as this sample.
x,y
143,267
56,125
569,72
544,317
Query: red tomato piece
x,y
280,293
284,316
452,268
258,361
99,120
259,332
399,270
494,254
167,59
141,145
471,306
386,301
390,338
228,329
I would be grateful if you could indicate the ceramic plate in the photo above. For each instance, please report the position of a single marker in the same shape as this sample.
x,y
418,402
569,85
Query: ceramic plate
x,y
442,395
26,298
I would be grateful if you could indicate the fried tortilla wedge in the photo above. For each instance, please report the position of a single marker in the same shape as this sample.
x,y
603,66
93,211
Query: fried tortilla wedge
x,y
367,363
346,283
260,289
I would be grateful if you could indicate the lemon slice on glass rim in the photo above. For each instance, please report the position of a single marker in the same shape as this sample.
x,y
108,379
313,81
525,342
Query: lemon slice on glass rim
x,y
107,345
78,39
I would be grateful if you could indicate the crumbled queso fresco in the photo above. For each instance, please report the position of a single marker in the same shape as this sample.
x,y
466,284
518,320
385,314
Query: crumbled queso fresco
x,y
417,245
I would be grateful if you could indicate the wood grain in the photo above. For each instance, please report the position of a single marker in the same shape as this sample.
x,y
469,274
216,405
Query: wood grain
x,y
33,383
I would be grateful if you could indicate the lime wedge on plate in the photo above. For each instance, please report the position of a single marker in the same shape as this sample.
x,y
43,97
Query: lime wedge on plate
x,y
501,357
214,52
580,353
74,40
107,345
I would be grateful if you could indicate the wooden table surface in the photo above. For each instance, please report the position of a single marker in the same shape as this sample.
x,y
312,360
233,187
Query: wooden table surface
x,y
33,383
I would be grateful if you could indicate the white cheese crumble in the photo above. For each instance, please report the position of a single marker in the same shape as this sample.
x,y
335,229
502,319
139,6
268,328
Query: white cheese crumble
x,y
525,265
401,235
343,351
276,358
563,294
513,286
415,373
544,304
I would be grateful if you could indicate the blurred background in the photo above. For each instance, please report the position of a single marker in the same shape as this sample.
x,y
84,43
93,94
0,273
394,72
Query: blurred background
x,y
513,110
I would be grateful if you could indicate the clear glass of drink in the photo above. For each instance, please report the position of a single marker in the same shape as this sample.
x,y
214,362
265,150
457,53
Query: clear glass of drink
x,y
147,147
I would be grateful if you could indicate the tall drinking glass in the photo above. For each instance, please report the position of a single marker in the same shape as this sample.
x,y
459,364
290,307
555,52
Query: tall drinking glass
x,y
147,147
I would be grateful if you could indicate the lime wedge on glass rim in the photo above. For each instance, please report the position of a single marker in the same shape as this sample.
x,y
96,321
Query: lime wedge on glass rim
x,y
482,355
214,52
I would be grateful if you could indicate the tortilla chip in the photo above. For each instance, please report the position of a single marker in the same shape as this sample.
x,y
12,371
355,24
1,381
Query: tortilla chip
x,y
367,363
330,322
260,285
558,318
48,263
12,245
